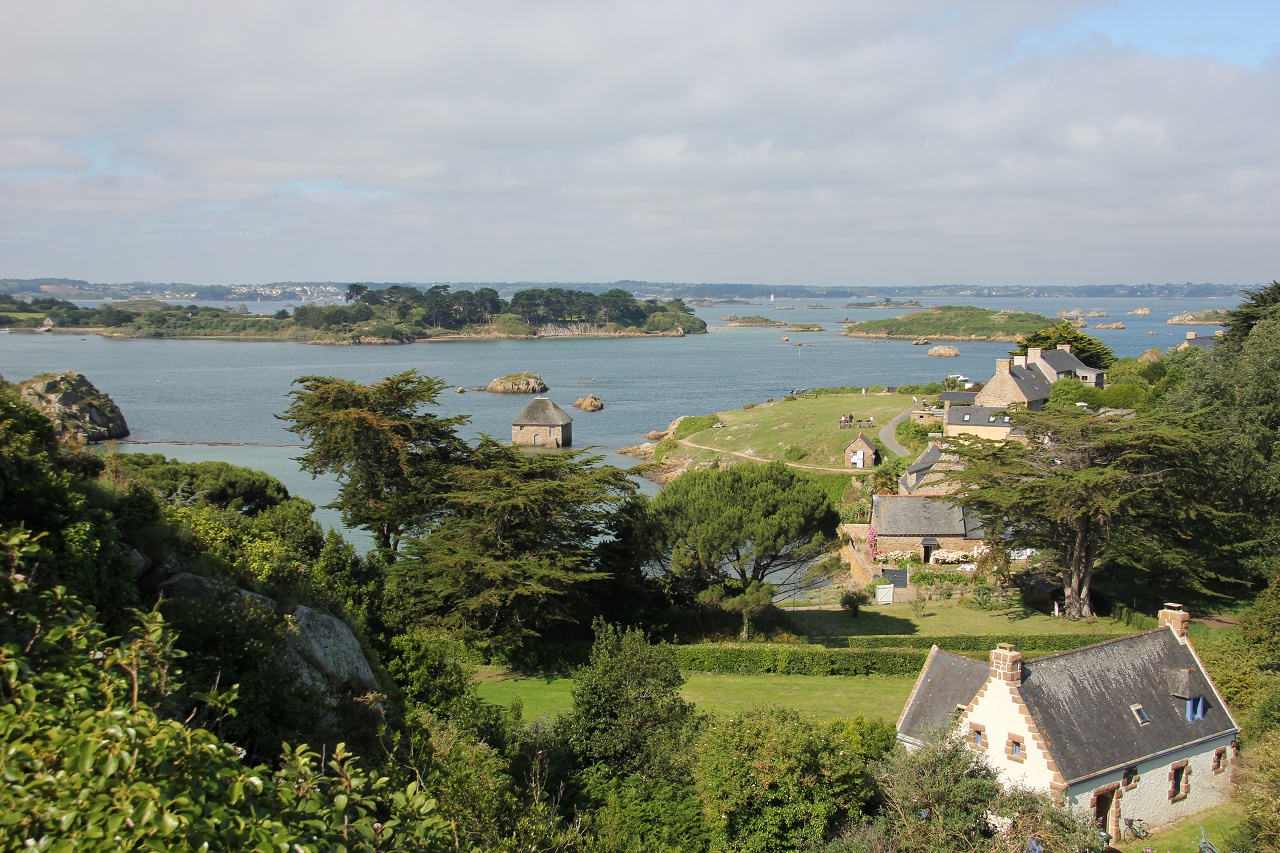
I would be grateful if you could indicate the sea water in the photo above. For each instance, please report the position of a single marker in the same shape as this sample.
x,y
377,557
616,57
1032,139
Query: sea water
x,y
197,399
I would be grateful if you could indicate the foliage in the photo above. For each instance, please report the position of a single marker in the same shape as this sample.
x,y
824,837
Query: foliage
x,y
628,717
693,423
89,758
635,813
1258,790
1076,481
852,600
511,559
912,432
762,658
979,642
953,321
221,484
769,781
390,458
1240,321
944,797
1085,347
748,522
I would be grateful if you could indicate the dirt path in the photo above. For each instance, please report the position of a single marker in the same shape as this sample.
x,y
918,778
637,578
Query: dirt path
x,y
686,442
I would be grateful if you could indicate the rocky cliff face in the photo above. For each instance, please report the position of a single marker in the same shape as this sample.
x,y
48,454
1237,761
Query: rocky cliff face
x,y
77,409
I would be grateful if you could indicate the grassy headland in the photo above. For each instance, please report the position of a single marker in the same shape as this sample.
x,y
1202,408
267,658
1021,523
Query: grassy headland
x,y
953,323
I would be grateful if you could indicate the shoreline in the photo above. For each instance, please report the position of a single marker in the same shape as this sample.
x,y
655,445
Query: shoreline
x,y
1007,339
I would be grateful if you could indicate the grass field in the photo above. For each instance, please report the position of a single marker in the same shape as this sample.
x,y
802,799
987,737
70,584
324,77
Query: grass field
x,y
811,424
1185,835
819,696
835,627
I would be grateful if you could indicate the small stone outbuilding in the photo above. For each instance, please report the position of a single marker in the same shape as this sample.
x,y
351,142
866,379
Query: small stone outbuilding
x,y
542,424
861,453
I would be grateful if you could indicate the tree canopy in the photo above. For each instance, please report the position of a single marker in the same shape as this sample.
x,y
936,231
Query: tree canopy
x,y
389,456
1077,479
1087,348
519,539
746,522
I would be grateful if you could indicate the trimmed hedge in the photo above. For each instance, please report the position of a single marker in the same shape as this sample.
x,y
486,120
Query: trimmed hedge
x,y
981,642
1128,616
764,658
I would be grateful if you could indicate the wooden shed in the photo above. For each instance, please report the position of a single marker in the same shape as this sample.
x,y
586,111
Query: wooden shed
x,y
542,424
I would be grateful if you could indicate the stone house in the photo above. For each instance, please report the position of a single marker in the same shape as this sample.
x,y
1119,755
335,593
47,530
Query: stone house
x,y
922,524
861,453
542,424
1027,380
980,421
1128,728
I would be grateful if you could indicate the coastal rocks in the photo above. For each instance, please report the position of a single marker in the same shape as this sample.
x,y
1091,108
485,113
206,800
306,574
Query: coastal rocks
x,y
944,351
1076,313
518,383
78,410
640,451
1212,317
1109,326
1140,312
589,403
669,432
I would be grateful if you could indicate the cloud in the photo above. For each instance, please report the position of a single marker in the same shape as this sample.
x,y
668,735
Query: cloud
x,y
808,142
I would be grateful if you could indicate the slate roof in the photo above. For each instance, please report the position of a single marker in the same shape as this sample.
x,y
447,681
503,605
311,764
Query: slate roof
x,y
911,515
978,415
1081,701
926,460
541,412
947,680
961,397
1031,382
1064,362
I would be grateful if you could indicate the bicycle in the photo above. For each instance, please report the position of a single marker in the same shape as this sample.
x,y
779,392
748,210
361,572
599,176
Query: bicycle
x,y
1133,829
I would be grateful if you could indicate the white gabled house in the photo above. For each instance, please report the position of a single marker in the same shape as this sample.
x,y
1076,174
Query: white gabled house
x,y
1128,728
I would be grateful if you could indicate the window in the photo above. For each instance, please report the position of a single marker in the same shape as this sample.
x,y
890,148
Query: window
x,y
1130,778
1219,760
1015,749
1140,714
1179,781
978,736
1196,708
991,419
966,417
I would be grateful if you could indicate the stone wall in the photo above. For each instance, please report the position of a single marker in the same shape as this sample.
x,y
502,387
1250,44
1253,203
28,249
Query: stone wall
x,y
542,436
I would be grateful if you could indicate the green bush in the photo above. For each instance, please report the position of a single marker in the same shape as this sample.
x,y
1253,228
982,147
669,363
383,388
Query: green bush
x,y
853,599
1128,616
794,453
978,642
762,659
696,423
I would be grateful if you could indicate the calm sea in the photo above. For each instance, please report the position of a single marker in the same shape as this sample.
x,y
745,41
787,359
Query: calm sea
x,y
197,399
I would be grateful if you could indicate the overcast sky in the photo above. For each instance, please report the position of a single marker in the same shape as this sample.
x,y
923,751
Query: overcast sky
x,y
825,143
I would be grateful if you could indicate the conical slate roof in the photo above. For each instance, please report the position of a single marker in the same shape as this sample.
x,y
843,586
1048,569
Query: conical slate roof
x,y
541,412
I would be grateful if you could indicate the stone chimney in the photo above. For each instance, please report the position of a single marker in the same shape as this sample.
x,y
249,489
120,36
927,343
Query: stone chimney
x,y
1020,360
1066,347
1176,619
1002,366
1191,335
1006,663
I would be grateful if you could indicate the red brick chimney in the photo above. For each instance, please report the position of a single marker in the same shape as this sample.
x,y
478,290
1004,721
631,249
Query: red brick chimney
x,y
1006,663
1175,618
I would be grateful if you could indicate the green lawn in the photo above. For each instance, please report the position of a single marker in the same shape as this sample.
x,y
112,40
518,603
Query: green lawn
x,y
1184,836
819,696
809,423
835,627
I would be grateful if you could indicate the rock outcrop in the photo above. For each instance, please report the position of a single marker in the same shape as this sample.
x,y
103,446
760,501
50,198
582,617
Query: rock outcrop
x,y
78,410
1140,312
321,648
1210,317
1109,326
518,383
589,403
944,351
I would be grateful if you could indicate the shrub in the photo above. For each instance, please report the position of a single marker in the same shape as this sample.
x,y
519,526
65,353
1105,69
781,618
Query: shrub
x,y
794,453
853,599
748,405
978,642
763,659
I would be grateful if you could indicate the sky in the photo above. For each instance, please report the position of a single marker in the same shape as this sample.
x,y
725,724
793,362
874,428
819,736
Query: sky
x,y
799,142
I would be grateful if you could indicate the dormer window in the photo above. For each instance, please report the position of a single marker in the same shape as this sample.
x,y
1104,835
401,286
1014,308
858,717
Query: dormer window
x,y
1140,715
1197,706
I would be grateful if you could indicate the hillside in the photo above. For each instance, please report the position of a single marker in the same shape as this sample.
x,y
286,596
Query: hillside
x,y
953,322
